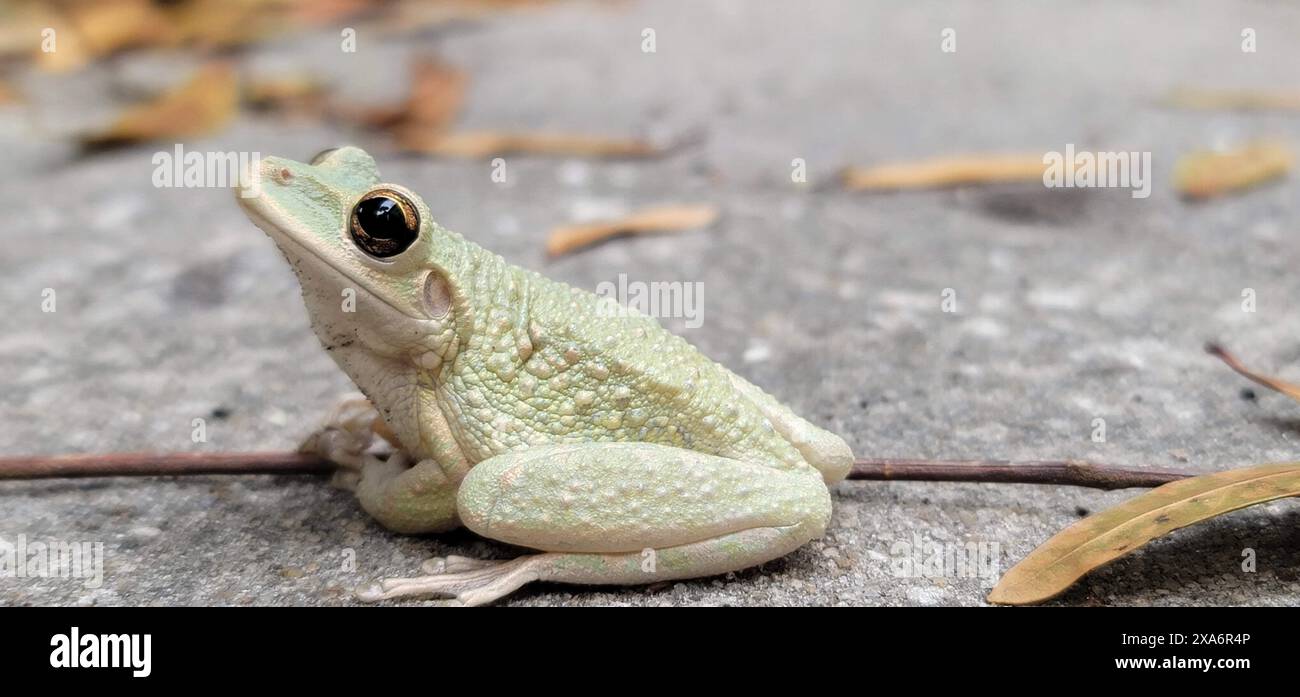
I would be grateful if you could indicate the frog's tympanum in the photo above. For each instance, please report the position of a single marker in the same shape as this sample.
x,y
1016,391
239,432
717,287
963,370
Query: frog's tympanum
x,y
524,409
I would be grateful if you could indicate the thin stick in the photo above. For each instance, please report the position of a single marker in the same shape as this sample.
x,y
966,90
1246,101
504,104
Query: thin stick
x,y
160,464
1065,473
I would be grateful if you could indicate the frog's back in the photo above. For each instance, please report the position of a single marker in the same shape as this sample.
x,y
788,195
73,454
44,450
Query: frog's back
x,y
550,363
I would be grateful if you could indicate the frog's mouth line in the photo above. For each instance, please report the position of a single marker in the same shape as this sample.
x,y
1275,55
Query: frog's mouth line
x,y
280,236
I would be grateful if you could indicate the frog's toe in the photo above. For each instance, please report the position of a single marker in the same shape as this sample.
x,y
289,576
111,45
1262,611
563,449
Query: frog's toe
x,y
346,479
480,585
453,564
353,430
336,446
354,413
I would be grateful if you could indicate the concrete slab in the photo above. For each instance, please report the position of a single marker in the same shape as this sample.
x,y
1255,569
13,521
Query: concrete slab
x,y
1071,305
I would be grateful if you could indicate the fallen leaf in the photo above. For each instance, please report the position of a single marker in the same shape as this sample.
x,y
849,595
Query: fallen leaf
x,y
227,23
1235,100
422,124
88,30
946,171
437,91
7,93
1289,389
415,15
481,144
1209,173
18,24
294,92
1103,537
328,11
199,106
665,219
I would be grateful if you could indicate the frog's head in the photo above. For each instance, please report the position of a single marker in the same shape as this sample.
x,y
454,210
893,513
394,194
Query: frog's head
x,y
377,273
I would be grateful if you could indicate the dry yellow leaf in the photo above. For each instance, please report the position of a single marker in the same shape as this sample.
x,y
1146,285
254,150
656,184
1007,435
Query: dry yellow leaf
x,y
946,171
226,23
201,105
18,24
568,238
1236,100
480,144
7,93
88,30
91,29
1208,173
1103,537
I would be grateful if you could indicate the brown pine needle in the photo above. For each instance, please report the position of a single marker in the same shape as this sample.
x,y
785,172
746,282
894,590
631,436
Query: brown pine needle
x,y
1289,389
1208,173
946,171
483,144
1060,472
1234,100
568,238
159,464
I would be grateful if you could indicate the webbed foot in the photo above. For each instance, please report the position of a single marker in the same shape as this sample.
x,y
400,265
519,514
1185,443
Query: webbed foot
x,y
467,581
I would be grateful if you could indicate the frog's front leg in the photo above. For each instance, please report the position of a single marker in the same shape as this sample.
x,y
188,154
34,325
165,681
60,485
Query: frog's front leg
x,y
404,497
623,513
408,498
351,438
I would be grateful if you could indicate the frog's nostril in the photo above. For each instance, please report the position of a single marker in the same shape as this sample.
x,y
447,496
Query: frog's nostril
x,y
282,175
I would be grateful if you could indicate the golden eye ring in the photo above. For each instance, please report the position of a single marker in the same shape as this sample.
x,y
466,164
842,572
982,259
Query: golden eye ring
x,y
384,223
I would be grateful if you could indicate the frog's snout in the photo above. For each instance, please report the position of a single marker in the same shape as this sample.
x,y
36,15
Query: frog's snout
x,y
260,172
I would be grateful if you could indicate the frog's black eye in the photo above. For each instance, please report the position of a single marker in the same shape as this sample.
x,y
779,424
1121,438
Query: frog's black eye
x,y
323,155
384,223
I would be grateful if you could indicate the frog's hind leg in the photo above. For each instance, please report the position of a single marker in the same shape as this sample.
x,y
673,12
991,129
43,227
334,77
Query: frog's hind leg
x,y
623,514
821,448
493,580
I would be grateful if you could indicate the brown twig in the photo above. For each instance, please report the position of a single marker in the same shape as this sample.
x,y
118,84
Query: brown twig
x,y
1065,473
159,464
1068,473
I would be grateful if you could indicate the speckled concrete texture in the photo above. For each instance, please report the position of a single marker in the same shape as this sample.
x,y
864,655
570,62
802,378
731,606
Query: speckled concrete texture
x,y
1072,305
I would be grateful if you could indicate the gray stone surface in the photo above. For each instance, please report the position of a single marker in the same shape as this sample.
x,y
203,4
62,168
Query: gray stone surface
x,y
1072,305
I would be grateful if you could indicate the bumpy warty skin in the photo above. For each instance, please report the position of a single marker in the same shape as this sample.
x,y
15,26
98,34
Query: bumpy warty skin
x,y
546,363
622,498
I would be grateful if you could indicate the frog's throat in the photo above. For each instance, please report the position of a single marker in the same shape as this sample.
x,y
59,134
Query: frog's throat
x,y
283,237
